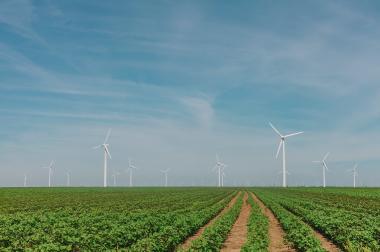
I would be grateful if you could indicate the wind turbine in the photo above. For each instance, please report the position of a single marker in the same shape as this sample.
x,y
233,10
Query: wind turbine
x,y
324,167
106,155
130,169
282,144
354,173
223,175
219,166
50,167
25,179
67,178
114,175
165,172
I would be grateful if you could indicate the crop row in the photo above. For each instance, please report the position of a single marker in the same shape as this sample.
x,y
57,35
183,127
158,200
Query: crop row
x,y
369,205
172,235
257,237
300,235
213,236
69,229
15,200
346,228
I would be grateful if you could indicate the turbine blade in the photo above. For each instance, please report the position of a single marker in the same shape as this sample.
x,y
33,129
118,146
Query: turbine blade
x,y
278,132
316,161
325,165
215,167
294,134
279,148
108,135
108,153
97,147
326,156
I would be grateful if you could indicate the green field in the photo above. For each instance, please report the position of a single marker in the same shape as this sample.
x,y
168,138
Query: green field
x,y
160,219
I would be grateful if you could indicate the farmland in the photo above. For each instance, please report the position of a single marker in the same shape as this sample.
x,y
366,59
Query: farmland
x,y
189,219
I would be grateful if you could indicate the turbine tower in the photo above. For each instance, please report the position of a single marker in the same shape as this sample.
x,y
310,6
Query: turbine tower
x,y
165,172
282,144
114,175
106,155
67,178
219,167
25,179
50,168
223,175
130,169
355,173
324,167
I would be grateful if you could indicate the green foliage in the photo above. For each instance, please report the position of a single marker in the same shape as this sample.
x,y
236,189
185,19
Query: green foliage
x,y
297,232
257,237
213,236
347,217
114,219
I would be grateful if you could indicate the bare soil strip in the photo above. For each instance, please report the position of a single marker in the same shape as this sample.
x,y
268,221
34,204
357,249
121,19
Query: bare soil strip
x,y
238,234
276,233
190,239
326,244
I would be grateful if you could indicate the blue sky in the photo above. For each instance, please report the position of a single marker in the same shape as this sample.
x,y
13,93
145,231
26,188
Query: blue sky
x,y
179,81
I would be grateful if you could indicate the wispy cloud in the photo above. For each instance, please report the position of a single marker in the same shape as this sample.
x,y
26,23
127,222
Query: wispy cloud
x,y
201,109
180,81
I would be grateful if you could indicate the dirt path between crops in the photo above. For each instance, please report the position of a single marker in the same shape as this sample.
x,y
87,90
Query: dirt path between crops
x,y
189,240
326,244
276,233
238,234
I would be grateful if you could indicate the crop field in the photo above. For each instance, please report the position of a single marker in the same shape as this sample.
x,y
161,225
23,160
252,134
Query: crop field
x,y
189,219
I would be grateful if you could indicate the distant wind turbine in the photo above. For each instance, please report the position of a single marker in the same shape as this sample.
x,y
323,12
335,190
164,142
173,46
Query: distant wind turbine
x,y
282,144
324,167
50,168
25,179
106,155
165,172
130,169
114,175
354,173
67,178
219,166
223,175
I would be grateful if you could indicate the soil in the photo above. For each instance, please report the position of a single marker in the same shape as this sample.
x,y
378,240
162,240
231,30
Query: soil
x,y
276,233
238,234
187,243
326,244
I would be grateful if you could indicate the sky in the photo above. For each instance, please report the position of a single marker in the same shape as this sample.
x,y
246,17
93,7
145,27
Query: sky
x,y
179,81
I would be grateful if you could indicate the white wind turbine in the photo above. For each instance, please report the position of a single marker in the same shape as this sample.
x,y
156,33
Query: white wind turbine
x,y
282,144
324,167
354,173
50,168
114,175
219,166
223,175
68,178
25,179
106,155
165,172
130,169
